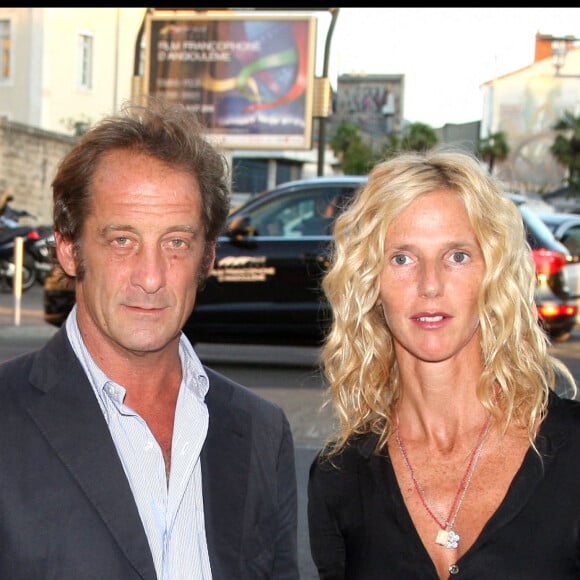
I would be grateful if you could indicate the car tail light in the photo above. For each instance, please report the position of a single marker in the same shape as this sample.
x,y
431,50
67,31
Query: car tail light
x,y
548,262
551,311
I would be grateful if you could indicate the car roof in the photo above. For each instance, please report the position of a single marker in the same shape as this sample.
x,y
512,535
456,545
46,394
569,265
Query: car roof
x,y
560,218
321,179
338,179
288,186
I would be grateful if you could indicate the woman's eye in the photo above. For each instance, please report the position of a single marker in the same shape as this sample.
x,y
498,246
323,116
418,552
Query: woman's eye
x,y
400,259
460,257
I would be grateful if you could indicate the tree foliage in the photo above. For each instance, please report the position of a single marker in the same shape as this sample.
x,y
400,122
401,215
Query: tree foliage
x,y
357,157
418,137
566,148
77,126
494,147
354,155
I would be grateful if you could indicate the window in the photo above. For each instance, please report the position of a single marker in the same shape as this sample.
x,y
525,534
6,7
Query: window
x,y
571,239
309,212
85,73
250,175
5,55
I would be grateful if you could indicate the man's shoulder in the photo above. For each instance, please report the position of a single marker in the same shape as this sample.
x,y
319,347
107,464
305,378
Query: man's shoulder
x,y
47,364
227,391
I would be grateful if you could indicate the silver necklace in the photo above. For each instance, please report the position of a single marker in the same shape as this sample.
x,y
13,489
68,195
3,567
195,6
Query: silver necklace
x,y
446,536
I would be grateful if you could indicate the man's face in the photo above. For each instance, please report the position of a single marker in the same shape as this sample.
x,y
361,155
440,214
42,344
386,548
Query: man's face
x,y
142,248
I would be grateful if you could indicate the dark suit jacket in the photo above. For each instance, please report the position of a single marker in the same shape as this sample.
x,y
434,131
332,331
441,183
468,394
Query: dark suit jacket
x,y
66,508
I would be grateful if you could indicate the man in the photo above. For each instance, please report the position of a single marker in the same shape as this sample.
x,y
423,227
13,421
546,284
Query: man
x,y
121,455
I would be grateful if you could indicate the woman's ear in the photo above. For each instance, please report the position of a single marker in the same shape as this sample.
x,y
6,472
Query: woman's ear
x,y
65,252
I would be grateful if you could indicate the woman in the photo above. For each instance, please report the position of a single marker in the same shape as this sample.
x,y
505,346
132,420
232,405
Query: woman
x,y
453,455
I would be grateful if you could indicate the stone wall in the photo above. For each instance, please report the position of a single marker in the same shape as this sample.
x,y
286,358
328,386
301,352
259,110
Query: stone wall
x,y
28,161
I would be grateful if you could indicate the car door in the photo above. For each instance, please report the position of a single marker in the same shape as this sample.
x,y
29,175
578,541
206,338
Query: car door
x,y
265,284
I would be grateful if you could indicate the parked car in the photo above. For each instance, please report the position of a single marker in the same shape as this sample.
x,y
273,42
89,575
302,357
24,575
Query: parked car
x,y
265,284
566,229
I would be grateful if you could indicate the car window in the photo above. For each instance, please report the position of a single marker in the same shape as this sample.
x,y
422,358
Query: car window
x,y
538,233
571,239
295,214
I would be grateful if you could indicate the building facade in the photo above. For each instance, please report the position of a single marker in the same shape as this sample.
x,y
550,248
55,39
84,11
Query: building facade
x,y
65,67
374,103
526,104
62,69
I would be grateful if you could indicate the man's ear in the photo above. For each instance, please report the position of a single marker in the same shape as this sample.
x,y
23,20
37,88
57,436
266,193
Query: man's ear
x,y
210,259
65,253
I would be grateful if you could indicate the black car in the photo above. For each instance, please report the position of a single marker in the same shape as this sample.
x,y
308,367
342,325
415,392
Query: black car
x,y
265,284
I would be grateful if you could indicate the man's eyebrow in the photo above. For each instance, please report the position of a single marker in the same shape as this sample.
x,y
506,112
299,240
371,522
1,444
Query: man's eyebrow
x,y
189,228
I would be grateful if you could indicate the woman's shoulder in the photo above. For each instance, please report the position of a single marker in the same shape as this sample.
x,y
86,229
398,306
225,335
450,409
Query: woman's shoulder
x,y
562,421
357,449
563,409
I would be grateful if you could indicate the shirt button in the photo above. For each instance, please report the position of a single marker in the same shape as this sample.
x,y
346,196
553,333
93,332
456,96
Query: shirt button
x,y
454,569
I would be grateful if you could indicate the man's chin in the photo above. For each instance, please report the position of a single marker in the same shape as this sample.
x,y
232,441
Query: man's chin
x,y
148,340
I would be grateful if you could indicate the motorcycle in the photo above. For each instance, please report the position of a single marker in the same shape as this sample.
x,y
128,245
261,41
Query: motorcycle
x,y
40,250
37,240
36,252
7,257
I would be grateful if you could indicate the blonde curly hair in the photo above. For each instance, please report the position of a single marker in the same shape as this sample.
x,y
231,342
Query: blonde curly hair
x,y
358,356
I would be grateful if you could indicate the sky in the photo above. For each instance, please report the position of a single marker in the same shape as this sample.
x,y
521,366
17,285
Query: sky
x,y
446,54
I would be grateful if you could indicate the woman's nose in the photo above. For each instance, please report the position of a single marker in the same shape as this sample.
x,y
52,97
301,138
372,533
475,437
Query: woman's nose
x,y
430,280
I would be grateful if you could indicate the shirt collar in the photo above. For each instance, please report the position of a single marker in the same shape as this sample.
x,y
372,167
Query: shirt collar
x,y
194,376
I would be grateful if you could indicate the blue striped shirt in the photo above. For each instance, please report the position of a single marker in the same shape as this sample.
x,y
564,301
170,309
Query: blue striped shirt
x,y
171,512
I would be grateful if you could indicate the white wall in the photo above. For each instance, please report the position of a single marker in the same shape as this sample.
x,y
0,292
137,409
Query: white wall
x,y
526,104
43,91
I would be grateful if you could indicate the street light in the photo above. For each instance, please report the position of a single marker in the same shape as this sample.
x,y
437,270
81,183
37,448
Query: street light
x,y
560,45
559,51
324,95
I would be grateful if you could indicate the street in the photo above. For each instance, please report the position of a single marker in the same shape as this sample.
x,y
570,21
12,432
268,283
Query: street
x,y
285,375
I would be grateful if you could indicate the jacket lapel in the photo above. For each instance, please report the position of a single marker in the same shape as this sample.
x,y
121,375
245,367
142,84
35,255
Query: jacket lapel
x,y
70,418
225,468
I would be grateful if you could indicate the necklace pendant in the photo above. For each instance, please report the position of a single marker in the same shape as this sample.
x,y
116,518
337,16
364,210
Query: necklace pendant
x,y
447,538
452,540
442,537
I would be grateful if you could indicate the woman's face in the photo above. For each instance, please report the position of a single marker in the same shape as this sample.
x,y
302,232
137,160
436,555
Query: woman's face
x,y
431,278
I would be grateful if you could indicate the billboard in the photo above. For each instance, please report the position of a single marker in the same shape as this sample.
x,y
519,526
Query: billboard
x,y
372,102
249,76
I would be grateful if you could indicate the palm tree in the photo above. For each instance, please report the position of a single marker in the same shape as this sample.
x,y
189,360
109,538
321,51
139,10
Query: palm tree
x,y
355,156
494,148
419,137
566,148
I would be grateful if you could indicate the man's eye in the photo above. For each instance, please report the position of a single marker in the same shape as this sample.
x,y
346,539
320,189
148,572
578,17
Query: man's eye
x,y
178,243
122,240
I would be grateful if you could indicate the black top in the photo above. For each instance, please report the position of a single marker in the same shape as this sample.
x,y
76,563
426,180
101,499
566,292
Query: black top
x,y
360,528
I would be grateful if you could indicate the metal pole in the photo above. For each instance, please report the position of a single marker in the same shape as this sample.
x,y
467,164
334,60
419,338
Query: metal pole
x,y
322,120
17,280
